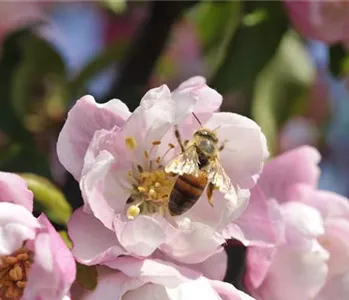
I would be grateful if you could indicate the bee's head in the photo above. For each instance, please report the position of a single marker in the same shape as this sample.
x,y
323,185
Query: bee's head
x,y
206,134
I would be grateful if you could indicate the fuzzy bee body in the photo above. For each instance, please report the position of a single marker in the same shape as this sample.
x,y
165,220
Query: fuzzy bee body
x,y
197,166
185,193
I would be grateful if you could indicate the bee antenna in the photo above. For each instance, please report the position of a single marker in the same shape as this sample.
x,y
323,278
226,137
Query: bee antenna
x,y
214,130
197,119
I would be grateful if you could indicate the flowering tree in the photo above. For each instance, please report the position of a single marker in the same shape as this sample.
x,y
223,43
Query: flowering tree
x,y
204,165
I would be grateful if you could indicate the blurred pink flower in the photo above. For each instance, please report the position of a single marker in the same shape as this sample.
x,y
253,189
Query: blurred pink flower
x,y
17,224
311,259
14,189
34,261
156,279
326,21
14,15
115,154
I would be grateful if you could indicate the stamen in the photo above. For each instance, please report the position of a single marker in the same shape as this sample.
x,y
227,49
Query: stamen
x,y
171,146
13,274
16,273
156,143
146,154
131,143
132,212
140,169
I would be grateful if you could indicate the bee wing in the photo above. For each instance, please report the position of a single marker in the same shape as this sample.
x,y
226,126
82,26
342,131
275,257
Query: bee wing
x,y
185,163
217,176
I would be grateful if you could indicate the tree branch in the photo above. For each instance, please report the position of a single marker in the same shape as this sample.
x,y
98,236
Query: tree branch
x,y
145,51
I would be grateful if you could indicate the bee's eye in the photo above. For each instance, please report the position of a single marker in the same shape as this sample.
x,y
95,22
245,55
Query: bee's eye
x,y
206,146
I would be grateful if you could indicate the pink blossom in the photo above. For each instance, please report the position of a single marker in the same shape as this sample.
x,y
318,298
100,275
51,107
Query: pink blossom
x,y
156,279
14,15
311,258
34,261
326,21
116,155
14,189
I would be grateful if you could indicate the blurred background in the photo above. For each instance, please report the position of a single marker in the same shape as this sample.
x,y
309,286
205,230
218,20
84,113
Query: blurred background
x,y
253,53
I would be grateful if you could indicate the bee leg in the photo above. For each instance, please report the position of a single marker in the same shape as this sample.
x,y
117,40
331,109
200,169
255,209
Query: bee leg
x,y
209,192
179,139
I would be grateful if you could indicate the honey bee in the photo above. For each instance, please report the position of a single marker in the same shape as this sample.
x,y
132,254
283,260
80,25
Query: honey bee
x,y
198,166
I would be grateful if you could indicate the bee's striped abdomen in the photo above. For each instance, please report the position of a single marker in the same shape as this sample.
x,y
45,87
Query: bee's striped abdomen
x,y
186,191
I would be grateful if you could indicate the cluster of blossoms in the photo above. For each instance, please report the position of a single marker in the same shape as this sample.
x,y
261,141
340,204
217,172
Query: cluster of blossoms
x,y
326,21
35,263
295,235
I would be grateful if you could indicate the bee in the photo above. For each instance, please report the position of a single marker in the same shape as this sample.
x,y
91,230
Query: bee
x,y
198,167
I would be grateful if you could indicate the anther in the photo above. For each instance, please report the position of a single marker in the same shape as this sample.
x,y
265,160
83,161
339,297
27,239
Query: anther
x,y
10,260
132,212
21,284
16,273
155,143
141,189
22,256
146,154
152,193
140,168
131,143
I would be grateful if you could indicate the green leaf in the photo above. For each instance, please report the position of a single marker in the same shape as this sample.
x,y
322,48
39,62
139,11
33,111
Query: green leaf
x,y
49,198
116,6
216,23
282,87
9,60
39,84
253,45
86,276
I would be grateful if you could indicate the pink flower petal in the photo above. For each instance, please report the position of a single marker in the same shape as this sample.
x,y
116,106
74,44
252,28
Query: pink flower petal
x,y
208,101
17,225
222,213
111,286
329,204
92,242
258,262
335,241
53,270
215,267
228,291
245,150
336,288
284,171
193,243
155,271
260,224
13,188
102,193
84,119
141,236
302,224
295,275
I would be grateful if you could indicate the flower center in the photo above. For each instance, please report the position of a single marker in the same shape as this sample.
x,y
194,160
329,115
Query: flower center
x,y
151,184
13,273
